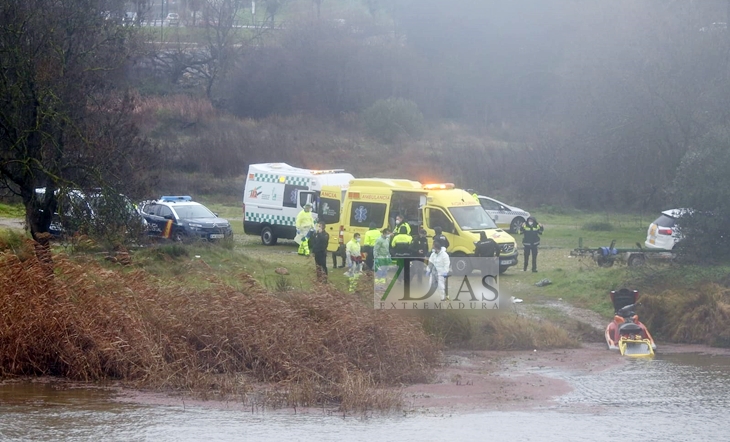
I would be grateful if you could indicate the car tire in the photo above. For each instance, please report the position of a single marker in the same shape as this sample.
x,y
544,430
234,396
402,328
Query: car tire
x,y
503,269
267,236
514,227
178,236
460,264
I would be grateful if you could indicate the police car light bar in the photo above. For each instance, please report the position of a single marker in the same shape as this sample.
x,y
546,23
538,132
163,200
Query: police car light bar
x,y
441,186
175,198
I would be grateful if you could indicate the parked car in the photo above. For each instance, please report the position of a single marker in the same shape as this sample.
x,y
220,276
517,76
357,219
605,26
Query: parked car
x,y
505,216
186,220
129,19
664,233
92,211
173,19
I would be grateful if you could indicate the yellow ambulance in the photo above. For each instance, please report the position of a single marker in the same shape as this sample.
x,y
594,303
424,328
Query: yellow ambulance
x,y
379,201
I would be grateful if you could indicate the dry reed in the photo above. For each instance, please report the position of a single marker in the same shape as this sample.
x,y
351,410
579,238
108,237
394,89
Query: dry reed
x,y
90,323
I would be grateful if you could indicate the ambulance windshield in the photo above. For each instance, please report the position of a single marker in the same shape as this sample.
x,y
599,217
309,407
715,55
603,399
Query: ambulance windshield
x,y
472,218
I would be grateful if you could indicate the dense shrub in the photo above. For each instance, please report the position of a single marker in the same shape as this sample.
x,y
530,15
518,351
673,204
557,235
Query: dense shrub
x,y
392,118
703,185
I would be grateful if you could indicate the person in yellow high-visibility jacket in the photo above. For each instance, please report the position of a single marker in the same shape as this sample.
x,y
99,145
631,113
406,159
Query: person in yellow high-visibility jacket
x,y
371,236
400,245
473,194
304,225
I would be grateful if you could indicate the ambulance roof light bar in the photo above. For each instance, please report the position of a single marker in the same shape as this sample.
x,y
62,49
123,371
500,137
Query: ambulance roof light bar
x,y
439,186
322,172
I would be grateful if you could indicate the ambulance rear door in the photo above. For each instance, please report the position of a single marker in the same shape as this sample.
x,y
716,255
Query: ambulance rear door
x,y
330,212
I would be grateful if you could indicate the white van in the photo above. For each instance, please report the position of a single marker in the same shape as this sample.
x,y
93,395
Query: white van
x,y
275,193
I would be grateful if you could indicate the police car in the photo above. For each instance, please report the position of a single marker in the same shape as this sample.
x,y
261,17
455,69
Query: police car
x,y
180,218
505,216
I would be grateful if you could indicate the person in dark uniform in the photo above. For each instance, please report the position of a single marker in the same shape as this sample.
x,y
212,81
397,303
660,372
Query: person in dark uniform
x,y
532,231
420,250
318,247
486,248
439,236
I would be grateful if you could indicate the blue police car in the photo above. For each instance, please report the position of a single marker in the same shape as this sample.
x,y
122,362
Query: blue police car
x,y
180,218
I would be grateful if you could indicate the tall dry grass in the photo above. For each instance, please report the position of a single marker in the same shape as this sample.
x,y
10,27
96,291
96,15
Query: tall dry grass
x,y
694,316
89,323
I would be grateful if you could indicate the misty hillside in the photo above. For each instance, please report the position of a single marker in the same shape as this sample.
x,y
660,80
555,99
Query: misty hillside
x,y
591,105
565,102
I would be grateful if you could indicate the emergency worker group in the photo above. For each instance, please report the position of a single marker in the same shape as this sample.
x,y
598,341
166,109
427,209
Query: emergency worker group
x,y
377,248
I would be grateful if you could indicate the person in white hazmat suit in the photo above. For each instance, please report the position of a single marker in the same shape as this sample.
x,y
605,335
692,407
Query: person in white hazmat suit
x,y
439,266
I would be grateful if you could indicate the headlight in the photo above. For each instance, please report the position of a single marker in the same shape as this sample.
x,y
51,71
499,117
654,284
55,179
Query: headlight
x,y
195,226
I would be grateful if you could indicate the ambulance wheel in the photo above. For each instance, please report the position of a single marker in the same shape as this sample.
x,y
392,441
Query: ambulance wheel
x,y
461,265
268,237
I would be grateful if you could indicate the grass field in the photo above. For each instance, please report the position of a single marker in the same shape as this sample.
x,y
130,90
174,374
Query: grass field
x,y
578,280
11,211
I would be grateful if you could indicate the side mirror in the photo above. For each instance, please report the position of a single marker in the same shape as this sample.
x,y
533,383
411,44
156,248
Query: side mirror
x,y
169,217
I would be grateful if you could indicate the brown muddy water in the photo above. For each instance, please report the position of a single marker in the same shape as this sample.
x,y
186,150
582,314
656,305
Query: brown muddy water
x,y
673,397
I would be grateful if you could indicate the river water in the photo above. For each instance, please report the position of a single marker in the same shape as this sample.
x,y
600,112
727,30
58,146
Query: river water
x,y
673,397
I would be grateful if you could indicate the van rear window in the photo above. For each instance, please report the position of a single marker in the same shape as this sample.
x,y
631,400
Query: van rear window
x,y
362,214
329,210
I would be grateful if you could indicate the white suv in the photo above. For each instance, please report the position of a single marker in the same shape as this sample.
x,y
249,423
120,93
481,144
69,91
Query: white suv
x,y
173,19
664,233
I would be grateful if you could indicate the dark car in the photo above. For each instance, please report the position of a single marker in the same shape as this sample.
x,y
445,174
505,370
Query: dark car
x,y
91,211
180,218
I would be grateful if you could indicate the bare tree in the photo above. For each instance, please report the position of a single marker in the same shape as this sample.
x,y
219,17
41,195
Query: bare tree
x,y
224,40
273,7
62,123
